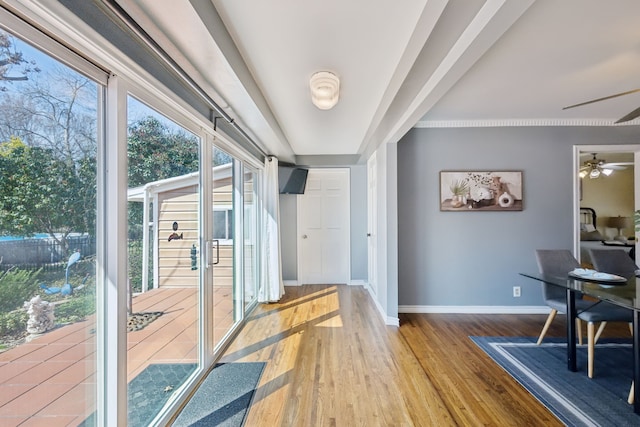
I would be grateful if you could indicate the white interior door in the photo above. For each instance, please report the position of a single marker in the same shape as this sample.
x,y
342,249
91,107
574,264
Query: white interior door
x,y
372,223
324,252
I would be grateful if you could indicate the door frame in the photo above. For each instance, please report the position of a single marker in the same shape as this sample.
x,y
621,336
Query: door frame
x,y
617,148
372,224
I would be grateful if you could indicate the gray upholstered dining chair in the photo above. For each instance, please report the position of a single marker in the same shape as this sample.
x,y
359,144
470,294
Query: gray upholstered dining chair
x,y
615,262
561,262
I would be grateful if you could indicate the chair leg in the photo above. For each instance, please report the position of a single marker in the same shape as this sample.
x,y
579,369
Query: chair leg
x,y
600,329
632,391
579,329
545,328
590,347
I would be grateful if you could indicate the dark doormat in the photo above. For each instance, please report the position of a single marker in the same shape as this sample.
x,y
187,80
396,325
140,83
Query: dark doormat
x,y
150,390
224,396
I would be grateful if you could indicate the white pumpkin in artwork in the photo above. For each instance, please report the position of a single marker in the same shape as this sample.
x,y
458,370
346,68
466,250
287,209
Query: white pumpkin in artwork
x,y
480,193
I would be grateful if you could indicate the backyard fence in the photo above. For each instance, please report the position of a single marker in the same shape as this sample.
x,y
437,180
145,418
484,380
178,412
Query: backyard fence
x,y
47,254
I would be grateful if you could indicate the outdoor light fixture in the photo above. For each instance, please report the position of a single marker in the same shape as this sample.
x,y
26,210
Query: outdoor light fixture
x,y
325,89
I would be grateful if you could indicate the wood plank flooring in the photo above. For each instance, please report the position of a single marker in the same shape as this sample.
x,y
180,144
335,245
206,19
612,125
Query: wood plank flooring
x,y
332,362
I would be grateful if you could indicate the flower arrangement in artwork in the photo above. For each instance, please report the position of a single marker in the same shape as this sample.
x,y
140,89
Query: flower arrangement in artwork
x,y
480,185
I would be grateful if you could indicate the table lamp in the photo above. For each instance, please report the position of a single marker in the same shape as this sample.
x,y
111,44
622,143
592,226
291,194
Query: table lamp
x,y
619,223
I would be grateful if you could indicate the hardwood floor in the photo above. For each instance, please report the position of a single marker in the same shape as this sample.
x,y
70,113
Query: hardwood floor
x,y
332,362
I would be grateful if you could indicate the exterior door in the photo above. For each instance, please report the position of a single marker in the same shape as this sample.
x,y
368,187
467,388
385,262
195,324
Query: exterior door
x,y
324,252
223,246
163,331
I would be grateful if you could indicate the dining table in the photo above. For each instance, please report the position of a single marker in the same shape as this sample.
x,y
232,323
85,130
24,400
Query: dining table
x,y
623,291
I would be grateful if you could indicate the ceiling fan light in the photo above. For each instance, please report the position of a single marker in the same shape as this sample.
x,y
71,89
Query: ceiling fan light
x,y
582,174
607,172
595,173
325,89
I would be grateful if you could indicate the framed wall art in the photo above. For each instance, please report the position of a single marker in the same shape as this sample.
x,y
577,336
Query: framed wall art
x,y
475,191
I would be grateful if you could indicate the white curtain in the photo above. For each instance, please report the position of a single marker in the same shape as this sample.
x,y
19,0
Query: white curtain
x,y
271,286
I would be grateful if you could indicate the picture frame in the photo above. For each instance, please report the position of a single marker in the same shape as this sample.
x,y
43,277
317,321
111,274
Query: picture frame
x,y
481,190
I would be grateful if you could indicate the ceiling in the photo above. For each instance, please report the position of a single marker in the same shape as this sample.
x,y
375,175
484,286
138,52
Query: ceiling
x,y
429,63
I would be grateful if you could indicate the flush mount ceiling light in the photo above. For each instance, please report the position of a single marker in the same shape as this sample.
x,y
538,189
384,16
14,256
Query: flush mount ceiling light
x,y
325,89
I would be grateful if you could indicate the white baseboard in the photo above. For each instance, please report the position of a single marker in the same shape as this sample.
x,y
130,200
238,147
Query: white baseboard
x,y
388,320
479,309
392,321
358,283
290,282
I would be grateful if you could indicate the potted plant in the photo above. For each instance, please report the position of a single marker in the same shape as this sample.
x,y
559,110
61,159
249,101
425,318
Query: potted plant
x,y
459,189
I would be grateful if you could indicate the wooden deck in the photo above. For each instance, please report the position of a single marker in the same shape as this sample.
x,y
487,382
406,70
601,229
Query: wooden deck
x,y
51,379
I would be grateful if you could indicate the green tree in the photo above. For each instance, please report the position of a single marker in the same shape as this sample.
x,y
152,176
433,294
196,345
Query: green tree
x,y
40,192
156,152
48,134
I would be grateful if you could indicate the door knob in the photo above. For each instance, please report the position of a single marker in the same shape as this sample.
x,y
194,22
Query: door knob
x,y
304,236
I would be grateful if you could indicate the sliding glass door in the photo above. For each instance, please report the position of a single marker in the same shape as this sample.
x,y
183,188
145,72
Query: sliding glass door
x,y
223,240
50,116
112,212
164,277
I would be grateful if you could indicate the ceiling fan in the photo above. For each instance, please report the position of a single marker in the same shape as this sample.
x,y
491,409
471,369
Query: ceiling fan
x,y
632,115
596,167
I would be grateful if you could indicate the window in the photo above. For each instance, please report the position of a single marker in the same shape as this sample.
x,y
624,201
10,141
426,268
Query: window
x,y
223,223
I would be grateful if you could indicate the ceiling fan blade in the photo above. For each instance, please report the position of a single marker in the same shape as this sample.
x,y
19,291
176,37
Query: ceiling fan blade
x,y
604,99
632,115
605,165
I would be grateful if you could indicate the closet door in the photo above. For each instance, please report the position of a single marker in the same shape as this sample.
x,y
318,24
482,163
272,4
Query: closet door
x,y
324,254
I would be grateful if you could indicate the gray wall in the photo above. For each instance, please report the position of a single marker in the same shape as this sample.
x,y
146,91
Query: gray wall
x,y
473,258
288,228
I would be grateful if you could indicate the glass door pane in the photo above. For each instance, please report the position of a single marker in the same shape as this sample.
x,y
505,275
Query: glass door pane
x,y
250,257
223,246
164,281
48,161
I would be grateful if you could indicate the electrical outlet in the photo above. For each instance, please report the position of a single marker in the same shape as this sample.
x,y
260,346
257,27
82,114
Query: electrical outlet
x,y
516,291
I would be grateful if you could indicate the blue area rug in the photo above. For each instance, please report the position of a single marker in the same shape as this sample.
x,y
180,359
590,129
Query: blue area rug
x,y
224,396
573,397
